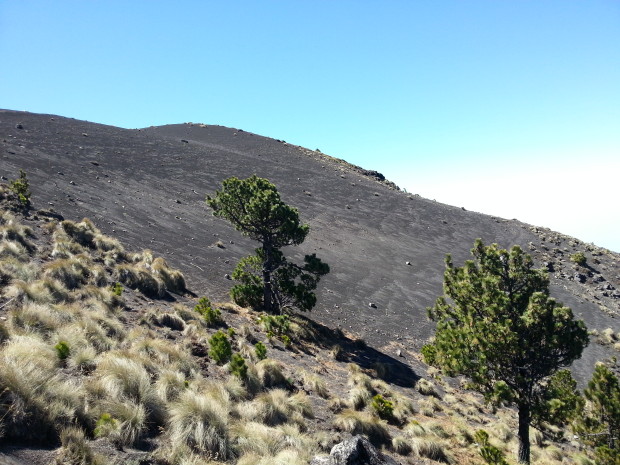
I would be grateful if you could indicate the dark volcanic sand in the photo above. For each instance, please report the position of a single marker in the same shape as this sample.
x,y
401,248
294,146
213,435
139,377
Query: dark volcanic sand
x,y
147,187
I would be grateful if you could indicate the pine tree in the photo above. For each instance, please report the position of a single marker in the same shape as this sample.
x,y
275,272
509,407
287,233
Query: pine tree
x,y
501,329
600,425
267,279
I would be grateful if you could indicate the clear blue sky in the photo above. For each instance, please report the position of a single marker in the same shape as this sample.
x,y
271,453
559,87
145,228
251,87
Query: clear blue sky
x,y
510,108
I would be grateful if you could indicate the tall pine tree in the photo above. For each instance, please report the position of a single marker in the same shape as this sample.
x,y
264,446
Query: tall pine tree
x,y
599,427
267,279
497,325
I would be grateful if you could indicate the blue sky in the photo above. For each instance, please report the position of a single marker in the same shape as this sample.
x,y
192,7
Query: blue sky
x,y
510,108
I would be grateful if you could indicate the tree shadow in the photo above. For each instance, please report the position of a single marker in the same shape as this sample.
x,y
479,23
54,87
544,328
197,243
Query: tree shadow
x,y
348,350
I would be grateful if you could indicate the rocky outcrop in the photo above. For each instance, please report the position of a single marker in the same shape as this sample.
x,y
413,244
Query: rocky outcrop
x,y
355,451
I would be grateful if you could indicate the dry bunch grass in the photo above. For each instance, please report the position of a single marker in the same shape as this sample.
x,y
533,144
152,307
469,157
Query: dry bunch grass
x,y
269,373
315,383
172,279
139,277
200,421
354,422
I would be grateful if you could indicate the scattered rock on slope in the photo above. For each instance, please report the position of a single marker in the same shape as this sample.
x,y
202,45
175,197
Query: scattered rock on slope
x,y
355,451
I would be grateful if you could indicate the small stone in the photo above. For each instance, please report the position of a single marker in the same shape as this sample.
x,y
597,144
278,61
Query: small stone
x,y
408,263
372,305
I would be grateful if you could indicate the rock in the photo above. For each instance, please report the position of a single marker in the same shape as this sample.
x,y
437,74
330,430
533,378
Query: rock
x,y
355,451
373,174
399,353
372,305
185,141
19,126
408,263
579,277
227,276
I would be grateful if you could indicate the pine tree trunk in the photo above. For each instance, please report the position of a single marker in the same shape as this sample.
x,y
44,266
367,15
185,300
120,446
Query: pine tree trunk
x,y
524,434
267,289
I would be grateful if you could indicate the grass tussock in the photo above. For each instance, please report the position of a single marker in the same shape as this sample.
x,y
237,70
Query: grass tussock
x,y
401,445
430,449
276,407
427,388
354,422
36,401
270,374
138,277
173,280
75,449
41,291
315,383
199,422
71,272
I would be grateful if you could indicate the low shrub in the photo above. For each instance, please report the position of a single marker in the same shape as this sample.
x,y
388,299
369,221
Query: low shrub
x,y
578,258
63,350
383,407
212,316
117,289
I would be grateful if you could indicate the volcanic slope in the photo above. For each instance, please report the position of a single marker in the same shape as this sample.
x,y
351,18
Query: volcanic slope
x,y
386,247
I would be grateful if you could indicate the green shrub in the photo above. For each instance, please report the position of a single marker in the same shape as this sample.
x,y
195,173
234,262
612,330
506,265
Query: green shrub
x,y
63,350
579,258
383,407
231,332
221,350
108,427
21,187
276,324
211,315
260,350
491,454
238,366
117,289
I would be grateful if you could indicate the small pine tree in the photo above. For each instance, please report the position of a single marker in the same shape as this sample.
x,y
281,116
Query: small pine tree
x,y
62,350
21,187
260,350
212,316
238,366
221,349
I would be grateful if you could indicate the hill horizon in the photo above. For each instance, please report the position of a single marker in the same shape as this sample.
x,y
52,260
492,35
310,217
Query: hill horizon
x,y
386,247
